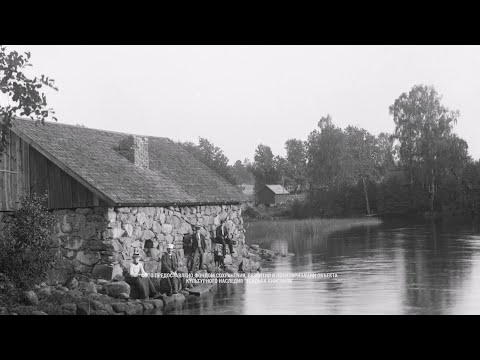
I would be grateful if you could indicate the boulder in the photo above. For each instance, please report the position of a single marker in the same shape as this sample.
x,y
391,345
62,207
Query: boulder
x,y
149,211
72,283
69,309
147,306
84,308
87,287
72,243
134,308
44,292
87,232
124,296
119,307
106,272
100,312
161,217
75,293
157,303
88,258
79,221
84,211
148,235
118,277
37,312
30,298
166,228
141,218
178,297
129,229
167,300
97,305
116,288
80,267
61,288
66,228
111,216
137,232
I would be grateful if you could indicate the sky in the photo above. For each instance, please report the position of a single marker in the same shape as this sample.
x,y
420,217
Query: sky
x,y
241,96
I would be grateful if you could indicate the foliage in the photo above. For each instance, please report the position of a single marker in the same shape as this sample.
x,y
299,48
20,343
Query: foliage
x,y
24,93
212,156
265,168
26,243
360,158
386,153
423,127
252,213
241,172
325,152
296,164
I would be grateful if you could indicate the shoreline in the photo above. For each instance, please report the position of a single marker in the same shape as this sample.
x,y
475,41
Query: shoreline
x,y
90,297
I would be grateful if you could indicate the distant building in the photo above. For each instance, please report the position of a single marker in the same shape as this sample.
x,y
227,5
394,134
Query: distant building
x,y
272,194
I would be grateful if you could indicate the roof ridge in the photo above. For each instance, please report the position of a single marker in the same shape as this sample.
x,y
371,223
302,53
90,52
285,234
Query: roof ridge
x,y
85,127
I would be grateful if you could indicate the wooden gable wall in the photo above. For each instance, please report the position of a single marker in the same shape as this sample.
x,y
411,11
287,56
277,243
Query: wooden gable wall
x,y
23,170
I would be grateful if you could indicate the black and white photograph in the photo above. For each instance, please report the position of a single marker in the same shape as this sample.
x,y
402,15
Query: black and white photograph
x,y
239,180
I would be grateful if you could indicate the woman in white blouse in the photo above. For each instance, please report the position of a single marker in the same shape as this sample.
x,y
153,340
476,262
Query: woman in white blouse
x,y
139,278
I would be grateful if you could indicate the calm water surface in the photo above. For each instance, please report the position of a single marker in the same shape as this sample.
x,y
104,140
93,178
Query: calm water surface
x,y
397,267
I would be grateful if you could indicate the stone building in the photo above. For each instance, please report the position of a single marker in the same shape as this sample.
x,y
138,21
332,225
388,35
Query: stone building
x,y
114,192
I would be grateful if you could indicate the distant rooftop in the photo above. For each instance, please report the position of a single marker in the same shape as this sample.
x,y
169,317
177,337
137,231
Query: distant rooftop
x,y
278,189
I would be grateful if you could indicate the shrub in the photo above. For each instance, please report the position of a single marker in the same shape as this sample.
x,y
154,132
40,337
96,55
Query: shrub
x,y
252,213
25,244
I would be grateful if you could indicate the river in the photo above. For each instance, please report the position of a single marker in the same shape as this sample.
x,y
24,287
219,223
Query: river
x,y
397,267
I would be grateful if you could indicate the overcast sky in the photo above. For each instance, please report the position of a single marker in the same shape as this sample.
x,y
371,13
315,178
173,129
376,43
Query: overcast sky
x,y
241,96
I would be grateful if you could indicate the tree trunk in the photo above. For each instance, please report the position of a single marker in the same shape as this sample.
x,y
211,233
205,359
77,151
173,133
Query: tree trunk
x,y
433,193
366,196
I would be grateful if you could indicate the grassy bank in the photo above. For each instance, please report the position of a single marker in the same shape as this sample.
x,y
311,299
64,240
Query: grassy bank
x,y
309,227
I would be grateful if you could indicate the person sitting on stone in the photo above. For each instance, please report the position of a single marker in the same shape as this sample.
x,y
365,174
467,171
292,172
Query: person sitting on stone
x,y
138,277
198,246
222,237
169,265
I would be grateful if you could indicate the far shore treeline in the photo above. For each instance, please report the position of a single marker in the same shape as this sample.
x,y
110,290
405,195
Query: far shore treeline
x,y
423,167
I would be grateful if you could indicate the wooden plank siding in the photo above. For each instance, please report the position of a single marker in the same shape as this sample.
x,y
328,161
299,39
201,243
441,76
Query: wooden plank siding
x,y
23,170
14,169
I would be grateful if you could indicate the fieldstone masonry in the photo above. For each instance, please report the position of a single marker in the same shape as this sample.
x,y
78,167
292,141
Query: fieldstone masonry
x,y
99,242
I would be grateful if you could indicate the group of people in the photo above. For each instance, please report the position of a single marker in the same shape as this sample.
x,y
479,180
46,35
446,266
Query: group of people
x,y
194,246
198,246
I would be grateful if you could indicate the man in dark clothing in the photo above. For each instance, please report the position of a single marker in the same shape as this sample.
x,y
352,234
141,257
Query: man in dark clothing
x,y
198,247
223,237
169,265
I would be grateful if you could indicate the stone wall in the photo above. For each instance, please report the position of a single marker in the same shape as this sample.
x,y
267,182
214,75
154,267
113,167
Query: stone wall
x,y
91,242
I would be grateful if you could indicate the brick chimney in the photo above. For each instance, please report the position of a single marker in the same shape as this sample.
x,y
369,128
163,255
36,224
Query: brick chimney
x,y
135,149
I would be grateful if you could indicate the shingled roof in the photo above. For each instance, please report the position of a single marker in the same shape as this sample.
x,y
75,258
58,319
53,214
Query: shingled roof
x,y
89,155
278,189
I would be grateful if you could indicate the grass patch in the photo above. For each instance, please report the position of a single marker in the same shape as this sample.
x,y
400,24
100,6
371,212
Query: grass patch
x,y
316,228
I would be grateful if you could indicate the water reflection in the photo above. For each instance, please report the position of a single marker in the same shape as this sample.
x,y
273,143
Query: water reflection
x,y
394,268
